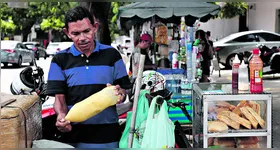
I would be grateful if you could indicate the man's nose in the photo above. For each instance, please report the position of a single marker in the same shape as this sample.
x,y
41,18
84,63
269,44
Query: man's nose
x,y
82,36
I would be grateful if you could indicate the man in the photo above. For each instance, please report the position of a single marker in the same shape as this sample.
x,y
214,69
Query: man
x,y
206,62
142,48
80,71
208,35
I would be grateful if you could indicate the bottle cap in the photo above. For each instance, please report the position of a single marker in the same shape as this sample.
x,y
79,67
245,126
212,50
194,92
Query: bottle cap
x,y
243,65
256,51
236,60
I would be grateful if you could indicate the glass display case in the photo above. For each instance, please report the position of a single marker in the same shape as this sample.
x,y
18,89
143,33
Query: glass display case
x,y
242,120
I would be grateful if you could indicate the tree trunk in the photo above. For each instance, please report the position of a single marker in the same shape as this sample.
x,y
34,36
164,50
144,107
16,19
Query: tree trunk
x,y
243,23
25,33
100,11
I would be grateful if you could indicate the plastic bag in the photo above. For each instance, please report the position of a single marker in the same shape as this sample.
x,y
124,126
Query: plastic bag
x,y
140,122
159,131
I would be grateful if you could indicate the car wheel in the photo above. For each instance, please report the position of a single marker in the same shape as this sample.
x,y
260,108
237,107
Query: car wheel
x,y
19,62
38,56
230,61
31,63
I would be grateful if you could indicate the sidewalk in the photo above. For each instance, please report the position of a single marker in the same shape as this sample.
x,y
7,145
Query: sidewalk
x,y
269,86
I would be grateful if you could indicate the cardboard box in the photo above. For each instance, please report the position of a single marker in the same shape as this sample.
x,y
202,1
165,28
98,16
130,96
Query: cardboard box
x,y
21,121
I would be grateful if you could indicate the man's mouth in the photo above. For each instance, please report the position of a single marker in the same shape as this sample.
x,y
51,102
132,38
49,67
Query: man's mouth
x,y
84,44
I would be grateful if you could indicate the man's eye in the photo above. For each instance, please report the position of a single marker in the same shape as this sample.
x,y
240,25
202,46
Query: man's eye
x,y
75,33
86,31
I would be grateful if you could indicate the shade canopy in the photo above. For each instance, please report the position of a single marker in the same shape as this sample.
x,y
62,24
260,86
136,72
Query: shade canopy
x,y
167,12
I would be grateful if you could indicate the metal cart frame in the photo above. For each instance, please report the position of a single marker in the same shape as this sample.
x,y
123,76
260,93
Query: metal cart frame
x,y
200,108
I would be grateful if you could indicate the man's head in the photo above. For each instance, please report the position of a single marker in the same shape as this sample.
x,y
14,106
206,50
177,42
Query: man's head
x,y
145,41
208,34
80,28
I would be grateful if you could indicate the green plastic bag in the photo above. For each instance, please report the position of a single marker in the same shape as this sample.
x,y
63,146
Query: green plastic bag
x,y
159,132
140,122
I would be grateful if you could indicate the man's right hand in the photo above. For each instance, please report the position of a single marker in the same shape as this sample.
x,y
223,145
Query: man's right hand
x,y
62,124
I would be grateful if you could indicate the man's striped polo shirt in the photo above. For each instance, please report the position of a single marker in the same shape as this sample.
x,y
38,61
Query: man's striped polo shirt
x,y
78,77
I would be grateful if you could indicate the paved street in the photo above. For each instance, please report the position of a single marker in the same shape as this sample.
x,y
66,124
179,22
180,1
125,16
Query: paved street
x,y
271,84
9,73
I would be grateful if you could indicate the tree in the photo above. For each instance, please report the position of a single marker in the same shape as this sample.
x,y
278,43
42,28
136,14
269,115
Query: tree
x,y
51,14
232,9
7,26
114,30
6,23
100,11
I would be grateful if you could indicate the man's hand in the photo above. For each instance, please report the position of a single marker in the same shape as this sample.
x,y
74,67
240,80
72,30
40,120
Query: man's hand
x,y
119,91
62,124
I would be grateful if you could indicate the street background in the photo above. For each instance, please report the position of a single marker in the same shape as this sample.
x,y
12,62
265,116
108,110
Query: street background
x,y
271,84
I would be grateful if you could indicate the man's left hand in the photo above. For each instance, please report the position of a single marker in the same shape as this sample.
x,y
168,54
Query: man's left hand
x,y
119,91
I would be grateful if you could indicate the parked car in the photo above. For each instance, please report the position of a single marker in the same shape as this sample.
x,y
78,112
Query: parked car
x,y
39,50
16,53
242,42
55,47
64,45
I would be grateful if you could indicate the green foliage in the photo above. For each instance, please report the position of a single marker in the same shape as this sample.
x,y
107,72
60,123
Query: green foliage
x,y
232,9
7,26
52,13
112,19
6,23
49,14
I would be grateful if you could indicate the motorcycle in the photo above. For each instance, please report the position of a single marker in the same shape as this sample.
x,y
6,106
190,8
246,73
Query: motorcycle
x,y
269,56
31,80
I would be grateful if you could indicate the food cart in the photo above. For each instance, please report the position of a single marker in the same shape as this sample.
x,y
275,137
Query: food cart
x,y
223,119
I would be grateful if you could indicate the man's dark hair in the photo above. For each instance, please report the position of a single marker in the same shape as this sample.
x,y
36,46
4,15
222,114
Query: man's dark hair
x,y
208,33
201,34
77,13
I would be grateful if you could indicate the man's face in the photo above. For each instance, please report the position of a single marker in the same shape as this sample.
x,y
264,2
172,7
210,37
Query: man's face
x,y
144,44
82,34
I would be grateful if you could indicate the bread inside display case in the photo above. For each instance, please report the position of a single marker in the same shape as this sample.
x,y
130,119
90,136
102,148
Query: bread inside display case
x,y
237,142
234,116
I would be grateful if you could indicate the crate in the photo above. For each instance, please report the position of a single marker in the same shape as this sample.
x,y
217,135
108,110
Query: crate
x,y
21,121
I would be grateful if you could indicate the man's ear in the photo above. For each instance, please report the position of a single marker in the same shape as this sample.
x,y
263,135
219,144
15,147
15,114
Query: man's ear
x,y
95,27
66,32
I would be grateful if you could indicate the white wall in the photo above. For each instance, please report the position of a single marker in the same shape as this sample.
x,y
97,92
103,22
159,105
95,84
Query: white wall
x,y
18,38
264,16
221,27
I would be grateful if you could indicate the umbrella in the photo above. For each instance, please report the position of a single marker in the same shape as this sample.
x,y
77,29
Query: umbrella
x,y
166,12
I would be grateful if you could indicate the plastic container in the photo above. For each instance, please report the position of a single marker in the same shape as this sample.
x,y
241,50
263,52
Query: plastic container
x,y
235,68
243,79
256,68
175,62
189,61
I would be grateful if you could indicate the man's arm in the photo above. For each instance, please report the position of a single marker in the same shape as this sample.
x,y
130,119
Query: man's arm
x,y
61,110
60,106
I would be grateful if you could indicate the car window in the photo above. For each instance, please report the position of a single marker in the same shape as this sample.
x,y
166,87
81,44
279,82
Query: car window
x,y
29,46
53,45
8,45
244,38
18,45
22,46
269,37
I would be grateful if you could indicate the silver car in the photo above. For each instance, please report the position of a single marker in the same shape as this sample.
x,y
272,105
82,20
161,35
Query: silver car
x,y
16,53
242,42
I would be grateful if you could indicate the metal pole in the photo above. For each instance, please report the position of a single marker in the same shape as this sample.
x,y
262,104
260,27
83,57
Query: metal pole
x,y
135,102
154,38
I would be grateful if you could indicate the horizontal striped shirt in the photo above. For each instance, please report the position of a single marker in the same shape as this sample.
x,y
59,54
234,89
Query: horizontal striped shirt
x,y
77,77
